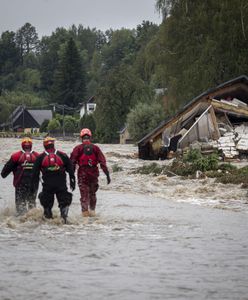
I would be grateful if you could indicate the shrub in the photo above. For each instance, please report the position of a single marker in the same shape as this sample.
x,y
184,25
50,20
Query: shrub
x,y
53,125
200,162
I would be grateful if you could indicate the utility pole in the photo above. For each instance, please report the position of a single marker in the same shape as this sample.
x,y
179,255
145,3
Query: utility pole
x,y
63,121
23,120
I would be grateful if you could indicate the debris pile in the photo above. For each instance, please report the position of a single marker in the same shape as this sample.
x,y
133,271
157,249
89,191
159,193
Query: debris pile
x,y
234,143
227,145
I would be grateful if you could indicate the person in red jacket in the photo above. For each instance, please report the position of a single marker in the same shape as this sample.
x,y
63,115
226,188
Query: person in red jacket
x,y
21,164
87,156
54,164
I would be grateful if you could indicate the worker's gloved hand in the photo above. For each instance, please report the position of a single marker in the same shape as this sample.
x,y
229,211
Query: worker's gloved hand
x,y
72,183
108,178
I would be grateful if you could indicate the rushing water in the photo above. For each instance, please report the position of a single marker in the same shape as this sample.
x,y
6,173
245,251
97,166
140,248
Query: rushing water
x,y
137,247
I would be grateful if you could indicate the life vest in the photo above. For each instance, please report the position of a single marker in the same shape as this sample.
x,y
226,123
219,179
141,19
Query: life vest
x,y
88,157
52,162
26,160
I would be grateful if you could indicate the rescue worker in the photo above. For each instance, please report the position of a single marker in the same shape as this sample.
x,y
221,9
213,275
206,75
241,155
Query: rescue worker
x,y
21,164
54,164
87,156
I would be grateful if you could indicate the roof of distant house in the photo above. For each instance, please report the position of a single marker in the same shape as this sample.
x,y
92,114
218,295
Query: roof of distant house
x,y
41,115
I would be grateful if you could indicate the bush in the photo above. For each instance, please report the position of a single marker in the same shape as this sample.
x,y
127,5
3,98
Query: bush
x,y
200,162
53,126
234,178
70,124
143,118
192,155
43,127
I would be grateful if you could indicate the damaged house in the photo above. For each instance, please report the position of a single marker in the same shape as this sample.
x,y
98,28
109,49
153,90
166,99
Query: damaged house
x,y
218,118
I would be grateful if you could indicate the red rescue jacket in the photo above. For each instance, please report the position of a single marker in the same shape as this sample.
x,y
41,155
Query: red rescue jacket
x,y
87,156
21,164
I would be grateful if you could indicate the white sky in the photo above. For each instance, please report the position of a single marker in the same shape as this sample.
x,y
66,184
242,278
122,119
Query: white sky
x,y
47,15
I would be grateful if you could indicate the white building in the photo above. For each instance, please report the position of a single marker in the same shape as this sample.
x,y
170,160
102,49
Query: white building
x,y
88,107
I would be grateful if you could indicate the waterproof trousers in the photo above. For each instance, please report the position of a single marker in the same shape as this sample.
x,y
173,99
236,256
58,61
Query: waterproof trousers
x,y
24,198
88,186
50,190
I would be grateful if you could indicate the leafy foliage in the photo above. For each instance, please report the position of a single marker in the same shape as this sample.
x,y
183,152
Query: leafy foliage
x,y
10,100
87,121
201,49
199,45
200,162
194,161
69,82
192,155
53,126
9,53
70,124
44,125
27,39
115,97
143,118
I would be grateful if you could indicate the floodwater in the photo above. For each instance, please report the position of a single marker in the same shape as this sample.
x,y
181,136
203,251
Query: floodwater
x,y
145,242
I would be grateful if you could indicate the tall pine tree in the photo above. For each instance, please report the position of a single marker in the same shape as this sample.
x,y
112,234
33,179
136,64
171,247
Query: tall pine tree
x,y
69,79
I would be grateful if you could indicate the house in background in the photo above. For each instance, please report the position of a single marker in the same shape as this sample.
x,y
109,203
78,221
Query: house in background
x,y
125,136
88,107
209,116
28,121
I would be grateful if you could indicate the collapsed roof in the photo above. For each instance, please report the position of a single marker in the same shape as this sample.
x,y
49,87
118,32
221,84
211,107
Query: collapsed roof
x,y
201,119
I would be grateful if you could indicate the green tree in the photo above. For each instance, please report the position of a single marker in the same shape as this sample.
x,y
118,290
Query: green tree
x,y
117,94
94,73
144,33
69,79
88,121
5,110
7,82
119,49
163,7
9,54
31,78
53,126
70,124
27,39
143,118
89,39
44,125
9,101
204,43
49,56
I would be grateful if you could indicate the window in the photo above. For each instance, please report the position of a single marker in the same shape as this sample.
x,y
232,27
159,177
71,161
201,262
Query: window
x,y
91,106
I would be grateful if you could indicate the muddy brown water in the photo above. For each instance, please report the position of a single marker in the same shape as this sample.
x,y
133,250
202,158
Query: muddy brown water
x,y
137,247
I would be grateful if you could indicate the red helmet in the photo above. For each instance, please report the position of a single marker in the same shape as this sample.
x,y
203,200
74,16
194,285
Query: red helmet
x,y
85,131
48,141
27,143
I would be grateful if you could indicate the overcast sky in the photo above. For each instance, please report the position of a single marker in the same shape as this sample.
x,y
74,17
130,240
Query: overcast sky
x,y
47,15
